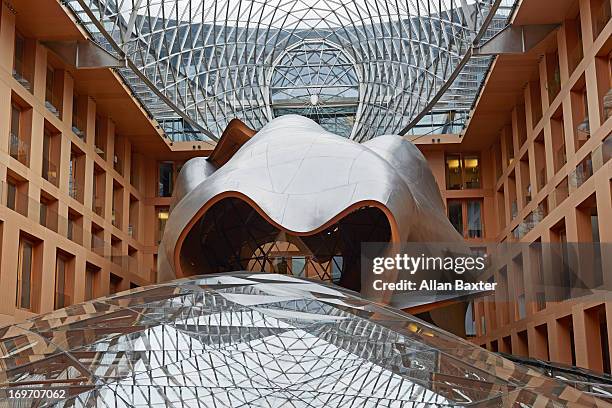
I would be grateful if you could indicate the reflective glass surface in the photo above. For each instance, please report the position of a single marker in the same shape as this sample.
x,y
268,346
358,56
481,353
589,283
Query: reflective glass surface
x,y
360,68
258,340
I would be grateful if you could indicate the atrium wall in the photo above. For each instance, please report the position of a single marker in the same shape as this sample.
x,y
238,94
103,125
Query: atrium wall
x,y
545,177
81,201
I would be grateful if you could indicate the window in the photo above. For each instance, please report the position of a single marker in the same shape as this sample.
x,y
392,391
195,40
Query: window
x,y
165,179
100,138
76,174
474,211
116,250
70,229
50,154
98,244
509,148
19,149
18,62
98,190
23,64
24,274
134,175
117,205
15,119
48,216
91,272
77,121
471,171
455,215
73,187
17,195
11,195
466,217
115,283
62,293
453,172
49,85
46,161
16,148
43,212
133,214
162,217
462,171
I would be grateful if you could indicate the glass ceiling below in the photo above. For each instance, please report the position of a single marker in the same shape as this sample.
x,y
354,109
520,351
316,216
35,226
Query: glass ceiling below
x,y
246,339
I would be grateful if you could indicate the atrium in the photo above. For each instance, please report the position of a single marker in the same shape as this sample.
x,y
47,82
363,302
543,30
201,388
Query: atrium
x,y
191,191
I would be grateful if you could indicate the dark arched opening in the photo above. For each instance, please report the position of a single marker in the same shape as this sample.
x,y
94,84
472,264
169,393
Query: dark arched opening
x,y
233,236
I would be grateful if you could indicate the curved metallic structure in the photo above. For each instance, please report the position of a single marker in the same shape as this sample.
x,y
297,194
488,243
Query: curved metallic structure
x,y
360,68
295,190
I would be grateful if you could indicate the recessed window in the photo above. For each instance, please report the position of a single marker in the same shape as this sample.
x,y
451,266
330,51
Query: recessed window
x,y
53,91
48,216
466,217
115,283
455,215
474,216
462,171
98,190
98,244
17,195
62,282
44,209
24,274
11,195
166,179
22,66
51,154
116,250
78,114
162,216
91,275
100,138
117,205
76,174
453,172
49,85
19,61
133,221
471,171
19,148
15,119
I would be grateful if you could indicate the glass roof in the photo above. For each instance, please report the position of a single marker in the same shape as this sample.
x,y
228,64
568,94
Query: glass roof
x,y
258,340
361,68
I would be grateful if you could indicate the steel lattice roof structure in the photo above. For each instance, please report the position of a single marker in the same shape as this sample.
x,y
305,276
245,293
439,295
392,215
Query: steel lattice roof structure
x,y
258,340
361,68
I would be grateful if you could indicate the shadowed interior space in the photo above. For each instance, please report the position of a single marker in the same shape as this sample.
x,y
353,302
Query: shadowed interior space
x,y
232,235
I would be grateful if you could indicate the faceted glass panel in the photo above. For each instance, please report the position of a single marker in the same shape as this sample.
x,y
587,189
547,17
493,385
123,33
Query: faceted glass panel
x,y
245,339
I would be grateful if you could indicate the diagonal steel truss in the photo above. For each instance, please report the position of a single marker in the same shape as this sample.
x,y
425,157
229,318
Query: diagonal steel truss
x,y
360,68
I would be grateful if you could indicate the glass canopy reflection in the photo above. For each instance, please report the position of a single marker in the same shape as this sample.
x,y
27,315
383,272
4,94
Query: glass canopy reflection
x,y
258,340
360,68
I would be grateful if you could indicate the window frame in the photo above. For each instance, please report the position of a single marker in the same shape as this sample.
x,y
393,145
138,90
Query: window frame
x,y
64,261
465,222
462,156
19,56
20,273
172,166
